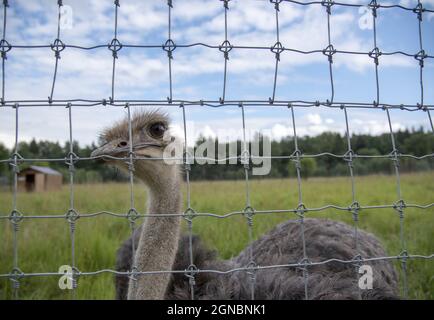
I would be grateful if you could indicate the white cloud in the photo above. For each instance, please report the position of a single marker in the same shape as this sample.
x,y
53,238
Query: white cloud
x,y
279,131
144,72
314,118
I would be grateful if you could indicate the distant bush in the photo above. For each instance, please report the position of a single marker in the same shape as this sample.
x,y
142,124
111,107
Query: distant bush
x,y
414,142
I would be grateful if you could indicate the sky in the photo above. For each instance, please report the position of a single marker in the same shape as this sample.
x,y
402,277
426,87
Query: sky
x,y
198,71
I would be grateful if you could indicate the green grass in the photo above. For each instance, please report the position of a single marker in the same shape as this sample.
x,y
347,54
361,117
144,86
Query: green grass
x,y
44,244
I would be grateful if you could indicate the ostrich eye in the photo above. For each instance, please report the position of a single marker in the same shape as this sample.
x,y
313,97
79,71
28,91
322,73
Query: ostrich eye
x,y
157,130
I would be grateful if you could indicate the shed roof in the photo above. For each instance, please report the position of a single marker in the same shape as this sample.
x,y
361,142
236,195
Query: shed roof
x,y
44,170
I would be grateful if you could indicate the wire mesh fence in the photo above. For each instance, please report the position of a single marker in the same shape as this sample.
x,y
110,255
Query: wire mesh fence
x,y
277,49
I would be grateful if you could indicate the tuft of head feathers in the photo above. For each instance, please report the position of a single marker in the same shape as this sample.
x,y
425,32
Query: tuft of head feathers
x,y
140,119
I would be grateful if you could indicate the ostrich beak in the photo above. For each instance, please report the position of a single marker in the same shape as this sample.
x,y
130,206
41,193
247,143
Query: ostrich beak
x,y
117,147
110,149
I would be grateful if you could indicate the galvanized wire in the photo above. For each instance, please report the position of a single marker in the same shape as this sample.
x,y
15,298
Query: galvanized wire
x,y
301,208
355,207
225,48
132,214
169,47
330,50
189,213
114,47
72,214
5,47
15,160
57,47
277,48
249,211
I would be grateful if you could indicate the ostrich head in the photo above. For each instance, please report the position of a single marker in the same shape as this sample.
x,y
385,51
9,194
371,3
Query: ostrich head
x,y
149,137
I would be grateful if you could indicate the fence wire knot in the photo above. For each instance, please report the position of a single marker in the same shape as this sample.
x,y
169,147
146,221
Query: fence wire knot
x,y
375,54
399,206
72,215
245,159
303,264
419,9
355,209
132,215
169,46
329,52
75,275
114,47
249,212
276,4
403,256
57,46
15,218
357,260
132,274
394,155
15,275
277,49
328,4
300,210
130,162
420,56
349,156
187,160
225,47
71,158
226,4
189,214
190,273
296,155
14,162
374,6
4,47
251,269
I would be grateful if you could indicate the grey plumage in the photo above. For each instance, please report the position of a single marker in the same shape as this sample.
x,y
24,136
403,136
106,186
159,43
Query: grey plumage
x,y
325,239
160,246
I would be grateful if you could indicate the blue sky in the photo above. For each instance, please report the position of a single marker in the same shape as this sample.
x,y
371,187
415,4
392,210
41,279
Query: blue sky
x,y
198,71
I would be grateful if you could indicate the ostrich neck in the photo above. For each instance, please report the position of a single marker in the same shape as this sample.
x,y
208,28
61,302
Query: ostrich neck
x,y
158,242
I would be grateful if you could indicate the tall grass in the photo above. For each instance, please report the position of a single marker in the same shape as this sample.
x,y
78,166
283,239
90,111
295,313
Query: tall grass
x,y
44,244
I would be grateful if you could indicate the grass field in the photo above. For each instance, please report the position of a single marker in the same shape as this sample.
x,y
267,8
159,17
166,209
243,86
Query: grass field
x,y
44,244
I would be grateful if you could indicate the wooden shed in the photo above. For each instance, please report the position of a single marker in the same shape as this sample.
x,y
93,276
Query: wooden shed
x,y
36,178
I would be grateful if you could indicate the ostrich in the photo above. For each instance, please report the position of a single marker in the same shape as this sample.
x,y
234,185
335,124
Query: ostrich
x,y
161,246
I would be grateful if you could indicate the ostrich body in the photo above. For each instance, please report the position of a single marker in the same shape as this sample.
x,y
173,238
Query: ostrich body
x,y
160,245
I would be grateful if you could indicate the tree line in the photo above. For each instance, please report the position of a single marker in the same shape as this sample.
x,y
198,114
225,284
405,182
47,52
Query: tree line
x,y
414,142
